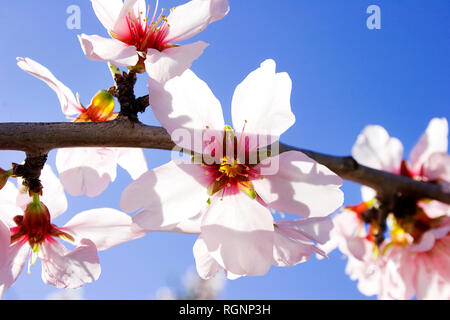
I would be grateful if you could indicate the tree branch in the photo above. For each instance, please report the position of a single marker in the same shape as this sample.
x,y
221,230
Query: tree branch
x,y
37,139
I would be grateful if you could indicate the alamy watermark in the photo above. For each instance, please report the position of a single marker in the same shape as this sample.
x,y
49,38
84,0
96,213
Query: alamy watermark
x,y
74,19
374,20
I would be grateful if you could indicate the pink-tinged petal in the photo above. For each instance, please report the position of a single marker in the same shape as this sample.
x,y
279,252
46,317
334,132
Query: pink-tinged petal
x,y
52,194
105,227
189,19
299,186
86,170
239,234
8,212
435,209
426,243
437,168
356,246
110,50
429,284
13,266
261,103
162,66
69,269
397,279
187,109
132,160
348,223
291,247
435,139
132,9
232,276
367,193
429,238
206,266
440,258
5,238
69,104
368,273
188,226
107,11
374,148
314,229
8,194
167,195
346,226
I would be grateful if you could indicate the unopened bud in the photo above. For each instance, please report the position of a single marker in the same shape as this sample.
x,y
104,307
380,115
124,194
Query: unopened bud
x,y
100,109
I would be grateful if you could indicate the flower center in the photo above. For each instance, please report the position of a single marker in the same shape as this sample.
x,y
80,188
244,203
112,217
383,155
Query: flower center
x,y
144,33
35,227
234,172
232,169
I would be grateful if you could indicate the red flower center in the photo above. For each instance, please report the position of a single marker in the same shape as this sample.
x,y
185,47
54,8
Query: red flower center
x,y
145,34
35,227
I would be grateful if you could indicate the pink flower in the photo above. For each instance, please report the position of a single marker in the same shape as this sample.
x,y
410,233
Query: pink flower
x,y
222,194
411,260
26,231
428,160
87,170
138,35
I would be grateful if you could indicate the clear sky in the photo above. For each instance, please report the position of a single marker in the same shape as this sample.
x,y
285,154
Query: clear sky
x,y
344,75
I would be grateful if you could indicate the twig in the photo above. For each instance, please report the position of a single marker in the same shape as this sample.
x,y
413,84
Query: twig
x,y
38,139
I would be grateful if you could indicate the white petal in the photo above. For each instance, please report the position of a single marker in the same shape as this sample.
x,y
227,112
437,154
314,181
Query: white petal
x,y
261,102
189,19
375,149
437,168
5,239
188,226
167,195
69,104
367,193
164,65
186,108
8,212
110,50
8,194
314,229
435,139
206,266
238,232
299,185
105,227
435,209
86,170
107,11
13,266
288,253
69,269
132,160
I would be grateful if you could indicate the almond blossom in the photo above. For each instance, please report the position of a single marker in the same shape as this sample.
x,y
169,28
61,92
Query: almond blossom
x,y
87,170
27,232
226,192
138,35
411,261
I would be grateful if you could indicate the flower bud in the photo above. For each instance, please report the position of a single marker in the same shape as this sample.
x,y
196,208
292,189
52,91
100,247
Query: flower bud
x,y
36,221
100,109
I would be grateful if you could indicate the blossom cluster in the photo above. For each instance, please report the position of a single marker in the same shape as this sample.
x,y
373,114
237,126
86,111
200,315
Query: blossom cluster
x,y
231,181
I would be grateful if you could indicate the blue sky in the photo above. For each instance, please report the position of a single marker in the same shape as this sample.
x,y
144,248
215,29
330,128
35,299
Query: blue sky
x,y
344,77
